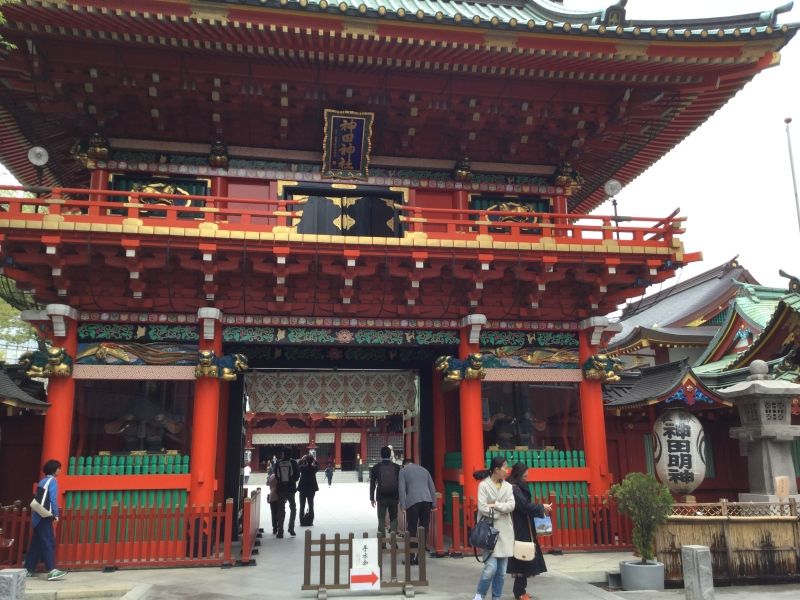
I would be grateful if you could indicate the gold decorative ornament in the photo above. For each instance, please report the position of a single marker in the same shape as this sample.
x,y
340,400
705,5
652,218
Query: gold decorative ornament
x,y
603,368
225,367
568,178
463,170
54,362
218,156
99,148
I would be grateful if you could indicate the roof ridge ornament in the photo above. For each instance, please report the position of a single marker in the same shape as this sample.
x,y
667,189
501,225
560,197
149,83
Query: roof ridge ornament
x,y
794,282
614,16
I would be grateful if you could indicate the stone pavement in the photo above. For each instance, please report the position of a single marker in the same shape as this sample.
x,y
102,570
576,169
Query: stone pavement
x,y
345,508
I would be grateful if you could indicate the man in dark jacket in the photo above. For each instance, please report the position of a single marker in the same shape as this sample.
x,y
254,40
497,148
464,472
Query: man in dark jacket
x,y
384,479
287,473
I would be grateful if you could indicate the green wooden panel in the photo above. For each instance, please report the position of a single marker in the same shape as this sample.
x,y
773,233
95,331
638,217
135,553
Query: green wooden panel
x,y
796,456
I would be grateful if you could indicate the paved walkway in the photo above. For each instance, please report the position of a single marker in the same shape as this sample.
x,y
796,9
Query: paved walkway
x,y
345,508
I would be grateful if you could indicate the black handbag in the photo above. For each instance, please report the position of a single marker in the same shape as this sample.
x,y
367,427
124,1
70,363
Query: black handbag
x,y
484,536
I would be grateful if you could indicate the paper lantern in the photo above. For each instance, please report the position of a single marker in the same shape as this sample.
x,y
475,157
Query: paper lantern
x,y
679,451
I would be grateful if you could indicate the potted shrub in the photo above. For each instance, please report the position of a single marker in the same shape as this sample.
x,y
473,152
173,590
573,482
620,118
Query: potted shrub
x,y
648,503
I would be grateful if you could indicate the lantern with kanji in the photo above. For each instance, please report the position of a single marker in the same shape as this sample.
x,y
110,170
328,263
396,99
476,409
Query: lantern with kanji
x,y
679,451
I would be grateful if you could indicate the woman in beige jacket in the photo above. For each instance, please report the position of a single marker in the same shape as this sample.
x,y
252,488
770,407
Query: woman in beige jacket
x,y
496,500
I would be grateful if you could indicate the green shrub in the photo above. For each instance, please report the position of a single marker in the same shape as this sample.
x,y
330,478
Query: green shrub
x,y
648,503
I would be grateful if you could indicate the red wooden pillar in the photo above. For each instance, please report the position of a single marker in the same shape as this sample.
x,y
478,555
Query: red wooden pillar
x,y
206,414
592,415
98,180
559,205
469,390
337,447
222,439
439,432
60,390
219,186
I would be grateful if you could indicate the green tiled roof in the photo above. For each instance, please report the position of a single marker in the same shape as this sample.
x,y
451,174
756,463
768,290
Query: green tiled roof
x,y
541,15
716,366
757,303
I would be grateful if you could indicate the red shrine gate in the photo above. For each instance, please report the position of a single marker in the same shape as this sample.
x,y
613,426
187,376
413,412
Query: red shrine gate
x,y
309,186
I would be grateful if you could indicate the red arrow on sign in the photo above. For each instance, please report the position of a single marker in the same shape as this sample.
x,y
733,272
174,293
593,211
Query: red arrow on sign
x,y
370,579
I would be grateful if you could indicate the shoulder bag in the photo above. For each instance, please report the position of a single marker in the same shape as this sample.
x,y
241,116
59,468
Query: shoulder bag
x,y
484,536
37,506
525,551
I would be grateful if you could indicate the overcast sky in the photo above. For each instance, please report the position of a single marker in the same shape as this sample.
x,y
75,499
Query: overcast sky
x,y
731,177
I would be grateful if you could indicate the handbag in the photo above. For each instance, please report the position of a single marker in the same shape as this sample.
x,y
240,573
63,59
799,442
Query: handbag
x,y
484,536
525,551
543,525
37,506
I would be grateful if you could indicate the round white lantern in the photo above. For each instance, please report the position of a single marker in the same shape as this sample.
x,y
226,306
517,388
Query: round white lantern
x,y
679,451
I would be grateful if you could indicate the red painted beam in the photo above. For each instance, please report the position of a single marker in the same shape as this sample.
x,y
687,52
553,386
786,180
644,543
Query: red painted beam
x,y
102,483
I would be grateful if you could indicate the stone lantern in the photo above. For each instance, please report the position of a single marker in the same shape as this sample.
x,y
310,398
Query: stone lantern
x,y
766,434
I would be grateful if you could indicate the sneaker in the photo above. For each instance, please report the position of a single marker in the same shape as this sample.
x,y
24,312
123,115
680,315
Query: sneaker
x,y
56,574
31,574
280,535
292,533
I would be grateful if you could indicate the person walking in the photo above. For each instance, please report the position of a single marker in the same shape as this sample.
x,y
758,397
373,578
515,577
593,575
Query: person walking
x,y
43,542
496,502
307,487
384,486
417,498
524,511
246,472
287,473
272,498
329,473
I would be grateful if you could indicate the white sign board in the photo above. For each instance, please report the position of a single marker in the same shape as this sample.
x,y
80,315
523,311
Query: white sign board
x,y
365,574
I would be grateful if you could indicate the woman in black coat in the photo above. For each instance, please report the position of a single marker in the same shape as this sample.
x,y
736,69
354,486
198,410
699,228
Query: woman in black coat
x,y
524,511
307,486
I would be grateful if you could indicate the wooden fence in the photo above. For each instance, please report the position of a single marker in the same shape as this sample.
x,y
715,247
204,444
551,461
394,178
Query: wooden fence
x,y
579,524
251,527
327,562
749,541
137,537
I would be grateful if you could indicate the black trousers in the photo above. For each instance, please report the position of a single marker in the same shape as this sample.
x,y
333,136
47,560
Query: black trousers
x,y
283,498
520,584
273,509
418,515
387,505
310,497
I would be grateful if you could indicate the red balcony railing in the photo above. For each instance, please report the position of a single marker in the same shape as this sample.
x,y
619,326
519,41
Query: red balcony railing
x,y
144,210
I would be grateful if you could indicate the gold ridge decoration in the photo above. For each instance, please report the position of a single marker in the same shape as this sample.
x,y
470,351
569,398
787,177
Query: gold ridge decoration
x,y
603,368
54,362
225,367
347,144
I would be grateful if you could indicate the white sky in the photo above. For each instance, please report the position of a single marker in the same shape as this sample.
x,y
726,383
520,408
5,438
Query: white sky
x,y
731,177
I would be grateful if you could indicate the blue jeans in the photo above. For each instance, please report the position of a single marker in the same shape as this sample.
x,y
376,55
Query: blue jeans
x,y
494,573
42,546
